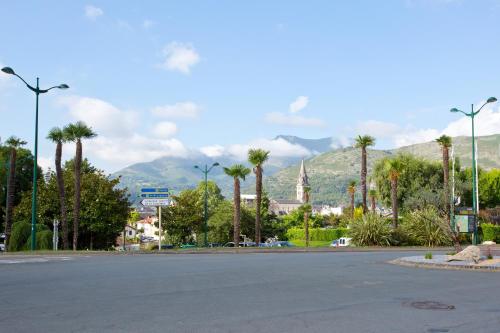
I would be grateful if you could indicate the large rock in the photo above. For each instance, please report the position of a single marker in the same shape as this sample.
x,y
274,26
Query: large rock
x,y
470,253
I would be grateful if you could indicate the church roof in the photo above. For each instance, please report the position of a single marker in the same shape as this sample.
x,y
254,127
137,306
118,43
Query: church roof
x,y
303,179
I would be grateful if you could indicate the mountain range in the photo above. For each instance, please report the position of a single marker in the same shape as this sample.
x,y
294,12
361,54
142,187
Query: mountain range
x,y
329,168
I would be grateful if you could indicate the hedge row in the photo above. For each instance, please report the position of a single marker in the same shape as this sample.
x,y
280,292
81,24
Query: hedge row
x,y
491,232
316,234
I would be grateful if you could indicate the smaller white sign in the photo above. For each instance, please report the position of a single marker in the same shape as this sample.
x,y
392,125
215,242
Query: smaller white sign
x,y
155,202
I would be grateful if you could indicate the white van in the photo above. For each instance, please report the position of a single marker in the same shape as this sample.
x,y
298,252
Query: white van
x,y
341,242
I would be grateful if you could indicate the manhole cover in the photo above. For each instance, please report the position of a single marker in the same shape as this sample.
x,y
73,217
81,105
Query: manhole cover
x,y
430,305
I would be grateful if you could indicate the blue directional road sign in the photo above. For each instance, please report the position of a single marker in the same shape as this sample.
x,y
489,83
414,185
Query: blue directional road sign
x,y
154,195
154,190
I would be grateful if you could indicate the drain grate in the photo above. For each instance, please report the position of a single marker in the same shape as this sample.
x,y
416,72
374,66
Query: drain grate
x,y
430,305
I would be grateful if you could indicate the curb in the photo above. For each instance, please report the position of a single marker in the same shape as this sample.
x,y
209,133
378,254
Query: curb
x,y
466,267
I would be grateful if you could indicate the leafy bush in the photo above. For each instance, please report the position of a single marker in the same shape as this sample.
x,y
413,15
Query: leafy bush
x,y
21,237
316,234
371,229
491,232
428,255
426,227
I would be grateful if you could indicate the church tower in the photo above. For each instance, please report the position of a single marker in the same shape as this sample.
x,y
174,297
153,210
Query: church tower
x,y
302,183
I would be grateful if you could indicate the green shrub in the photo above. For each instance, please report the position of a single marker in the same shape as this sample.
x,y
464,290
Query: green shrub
x,y
21,237
428,255
491,232
425,227
371,229
21,232
316,234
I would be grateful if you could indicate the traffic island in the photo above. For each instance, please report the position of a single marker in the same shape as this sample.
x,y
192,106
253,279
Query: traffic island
x,y
442,262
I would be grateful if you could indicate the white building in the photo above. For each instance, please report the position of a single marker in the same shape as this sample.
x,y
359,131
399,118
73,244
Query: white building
x,y
146,227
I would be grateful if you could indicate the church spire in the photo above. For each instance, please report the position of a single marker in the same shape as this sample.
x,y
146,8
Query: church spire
x,y
302,182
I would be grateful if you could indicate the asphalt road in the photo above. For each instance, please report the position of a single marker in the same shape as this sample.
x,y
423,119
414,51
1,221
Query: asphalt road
x,y
274,292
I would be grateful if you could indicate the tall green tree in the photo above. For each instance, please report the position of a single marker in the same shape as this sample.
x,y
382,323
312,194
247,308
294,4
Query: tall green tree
x,y
105,206
363,142
257,157
394,169
445,142
237,171
76,133
57,136
14,144
351,189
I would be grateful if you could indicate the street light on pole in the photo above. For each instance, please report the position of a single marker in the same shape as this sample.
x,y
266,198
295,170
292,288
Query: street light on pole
x,y
475,199
205,173
37,92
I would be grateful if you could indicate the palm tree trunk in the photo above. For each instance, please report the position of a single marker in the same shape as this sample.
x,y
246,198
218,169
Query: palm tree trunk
x,y
11,187
352,204
446,173
76,210
258,190
363,178
394,198
236,221
62,196
373,204
306,220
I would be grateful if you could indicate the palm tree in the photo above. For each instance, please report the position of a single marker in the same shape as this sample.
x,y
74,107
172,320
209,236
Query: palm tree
x,y
307,208
372,194
14,144
445,143
363,142
257,157
351,189
237,171
75,133
394,168
57,136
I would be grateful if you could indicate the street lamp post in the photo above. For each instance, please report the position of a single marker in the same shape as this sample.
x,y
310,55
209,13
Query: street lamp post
x,y
205,215
475,199
37,92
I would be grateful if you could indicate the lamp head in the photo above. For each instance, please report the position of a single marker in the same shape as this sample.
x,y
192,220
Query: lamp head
x,y
216,164
196,167
454,110
8,70
63,86
491,100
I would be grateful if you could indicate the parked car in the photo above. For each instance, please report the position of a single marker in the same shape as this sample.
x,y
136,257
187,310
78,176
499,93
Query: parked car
x,y
229,244
341,242
2,247
2,242
282,244
163,247
248,244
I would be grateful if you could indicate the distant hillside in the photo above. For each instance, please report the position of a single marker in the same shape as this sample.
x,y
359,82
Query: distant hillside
x,y
329,173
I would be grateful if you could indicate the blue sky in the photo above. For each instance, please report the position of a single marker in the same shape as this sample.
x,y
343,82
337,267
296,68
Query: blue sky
x,y
166,78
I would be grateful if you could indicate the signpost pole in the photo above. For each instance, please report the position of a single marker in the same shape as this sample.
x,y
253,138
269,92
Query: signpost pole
x,y
159,228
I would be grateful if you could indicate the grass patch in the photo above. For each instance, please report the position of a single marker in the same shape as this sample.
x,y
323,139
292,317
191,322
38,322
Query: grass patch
x,y
428,255
302,243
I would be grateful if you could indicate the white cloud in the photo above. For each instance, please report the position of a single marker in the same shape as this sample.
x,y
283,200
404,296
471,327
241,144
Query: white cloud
x,y
379,129
177,110
92,12
487,122
299,104
213,151
118,142
134,149
280,118
102,116
179,57
164,129
146,24
278,148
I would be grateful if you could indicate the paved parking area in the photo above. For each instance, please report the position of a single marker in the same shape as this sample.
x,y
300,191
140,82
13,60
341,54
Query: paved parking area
x,y
253,292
